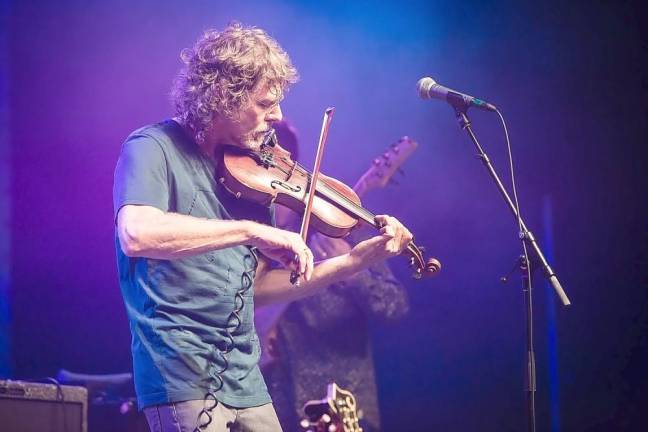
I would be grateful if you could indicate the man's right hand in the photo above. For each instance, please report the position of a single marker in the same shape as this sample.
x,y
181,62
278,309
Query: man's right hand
x,y
146,231
283,246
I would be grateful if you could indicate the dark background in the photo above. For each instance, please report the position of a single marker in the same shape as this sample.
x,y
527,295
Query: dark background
x,y
571,83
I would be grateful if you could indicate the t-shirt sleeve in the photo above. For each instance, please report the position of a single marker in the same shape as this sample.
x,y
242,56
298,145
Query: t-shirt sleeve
x,y
141,176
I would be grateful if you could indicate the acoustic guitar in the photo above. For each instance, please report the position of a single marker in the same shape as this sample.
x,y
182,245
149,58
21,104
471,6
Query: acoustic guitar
x,y
337,412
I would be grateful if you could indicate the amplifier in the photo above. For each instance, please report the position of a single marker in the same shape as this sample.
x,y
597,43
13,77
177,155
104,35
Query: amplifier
x,y
30,407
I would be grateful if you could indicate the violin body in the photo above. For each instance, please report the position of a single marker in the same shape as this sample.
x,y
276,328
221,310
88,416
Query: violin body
x,y
268,176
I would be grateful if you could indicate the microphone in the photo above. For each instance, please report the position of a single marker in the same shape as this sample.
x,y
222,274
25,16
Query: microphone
x,y
428,89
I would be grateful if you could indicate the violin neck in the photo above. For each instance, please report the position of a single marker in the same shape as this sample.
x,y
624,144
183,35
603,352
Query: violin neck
x,y
346,204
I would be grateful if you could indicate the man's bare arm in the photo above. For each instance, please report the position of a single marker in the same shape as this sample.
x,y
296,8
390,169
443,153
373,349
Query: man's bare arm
x,y
146,231
273,285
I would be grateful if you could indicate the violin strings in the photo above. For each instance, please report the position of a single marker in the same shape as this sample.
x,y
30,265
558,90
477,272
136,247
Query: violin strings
x,y
349,205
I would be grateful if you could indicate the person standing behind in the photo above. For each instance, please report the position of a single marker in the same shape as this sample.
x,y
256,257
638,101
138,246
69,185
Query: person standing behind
x,y
327,337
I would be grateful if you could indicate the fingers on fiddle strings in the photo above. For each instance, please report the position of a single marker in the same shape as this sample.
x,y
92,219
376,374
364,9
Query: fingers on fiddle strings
x,y
397,234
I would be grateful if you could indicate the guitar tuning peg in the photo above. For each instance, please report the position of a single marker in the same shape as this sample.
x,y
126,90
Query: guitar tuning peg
x,y
332,428
387,158
376,161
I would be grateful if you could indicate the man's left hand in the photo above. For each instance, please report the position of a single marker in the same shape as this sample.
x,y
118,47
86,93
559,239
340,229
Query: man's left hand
x,y
392,241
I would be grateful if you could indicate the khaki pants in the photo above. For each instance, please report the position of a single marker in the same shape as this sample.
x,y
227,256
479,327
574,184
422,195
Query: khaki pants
x,y
183,417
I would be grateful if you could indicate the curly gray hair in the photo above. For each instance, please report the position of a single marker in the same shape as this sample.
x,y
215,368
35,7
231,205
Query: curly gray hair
x,y
223,69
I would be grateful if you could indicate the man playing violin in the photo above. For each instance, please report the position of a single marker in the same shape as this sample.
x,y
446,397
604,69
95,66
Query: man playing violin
x,y
193,259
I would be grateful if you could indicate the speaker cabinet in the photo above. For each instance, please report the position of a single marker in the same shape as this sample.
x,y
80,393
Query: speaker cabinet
x,y
31,407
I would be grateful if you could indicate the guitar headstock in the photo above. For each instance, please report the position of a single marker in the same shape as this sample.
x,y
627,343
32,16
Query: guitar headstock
x,y
337,412
386,165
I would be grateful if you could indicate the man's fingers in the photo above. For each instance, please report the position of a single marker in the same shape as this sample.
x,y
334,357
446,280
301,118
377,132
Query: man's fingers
x,y
304,257
388,231
399,236
381,220
289,262
306,264
407,238
289,249
310,265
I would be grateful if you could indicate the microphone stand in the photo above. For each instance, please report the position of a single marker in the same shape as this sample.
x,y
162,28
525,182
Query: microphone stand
x,y
527,237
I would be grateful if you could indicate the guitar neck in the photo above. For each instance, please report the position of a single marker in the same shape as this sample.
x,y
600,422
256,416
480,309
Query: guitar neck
x,y
361,188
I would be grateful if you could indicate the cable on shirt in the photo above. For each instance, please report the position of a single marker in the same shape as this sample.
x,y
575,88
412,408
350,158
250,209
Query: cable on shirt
x,y
234,321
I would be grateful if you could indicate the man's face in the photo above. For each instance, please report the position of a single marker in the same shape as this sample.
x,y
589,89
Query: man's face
x,y
254,120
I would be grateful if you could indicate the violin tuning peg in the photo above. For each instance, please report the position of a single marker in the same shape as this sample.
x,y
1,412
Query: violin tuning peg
x,y
417,274
304,424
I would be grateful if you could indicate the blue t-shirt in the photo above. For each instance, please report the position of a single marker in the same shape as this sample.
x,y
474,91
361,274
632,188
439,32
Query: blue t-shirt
x,y
186,338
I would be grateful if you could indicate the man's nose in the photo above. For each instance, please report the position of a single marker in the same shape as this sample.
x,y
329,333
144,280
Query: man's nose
x,y
275,114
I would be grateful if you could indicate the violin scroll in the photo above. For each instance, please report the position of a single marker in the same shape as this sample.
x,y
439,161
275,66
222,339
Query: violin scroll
x,y
421,267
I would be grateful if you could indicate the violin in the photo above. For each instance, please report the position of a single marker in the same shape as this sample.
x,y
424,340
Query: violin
x,y
270,175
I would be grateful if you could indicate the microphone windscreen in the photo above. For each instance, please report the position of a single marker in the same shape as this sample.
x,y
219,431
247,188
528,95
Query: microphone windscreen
x,y
423,86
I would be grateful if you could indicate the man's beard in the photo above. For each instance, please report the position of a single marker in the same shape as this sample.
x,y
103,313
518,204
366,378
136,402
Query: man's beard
x,y
253,140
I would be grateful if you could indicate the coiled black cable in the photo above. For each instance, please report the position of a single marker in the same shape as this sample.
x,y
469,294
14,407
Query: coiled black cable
x,y
233,323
